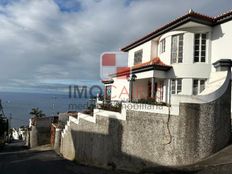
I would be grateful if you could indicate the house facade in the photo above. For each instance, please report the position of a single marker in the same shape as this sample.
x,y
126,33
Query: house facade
x,y
184,68
175,60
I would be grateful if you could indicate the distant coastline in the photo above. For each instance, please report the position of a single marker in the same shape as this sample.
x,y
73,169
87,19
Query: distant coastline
x,y
18,104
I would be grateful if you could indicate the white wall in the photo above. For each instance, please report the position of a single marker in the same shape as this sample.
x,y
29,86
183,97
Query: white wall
x,y
140,89
188,47
146,47
218,47
221,42
187,70
190,71
119,89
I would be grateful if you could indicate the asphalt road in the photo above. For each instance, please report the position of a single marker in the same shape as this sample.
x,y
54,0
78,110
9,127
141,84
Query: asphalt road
x,y
16,159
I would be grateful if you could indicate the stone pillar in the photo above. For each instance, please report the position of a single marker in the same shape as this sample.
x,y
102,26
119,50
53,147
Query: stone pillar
x,y
57,142
223,64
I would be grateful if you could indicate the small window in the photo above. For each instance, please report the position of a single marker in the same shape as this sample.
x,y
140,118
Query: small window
x,y
138,57
176,86
173,86
162,45
177,48
198,86
200,47
179,86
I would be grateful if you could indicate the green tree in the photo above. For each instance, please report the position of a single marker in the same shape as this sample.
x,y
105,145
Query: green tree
x,y
36,112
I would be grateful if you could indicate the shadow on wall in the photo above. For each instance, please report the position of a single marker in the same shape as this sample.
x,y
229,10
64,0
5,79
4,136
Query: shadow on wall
x,y
217,33
105,150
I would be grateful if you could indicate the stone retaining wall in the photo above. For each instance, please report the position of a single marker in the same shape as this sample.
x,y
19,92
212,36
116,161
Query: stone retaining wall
x,y
148,139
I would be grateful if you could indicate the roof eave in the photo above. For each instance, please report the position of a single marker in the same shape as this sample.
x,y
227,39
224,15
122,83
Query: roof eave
x,y
143,69
167,29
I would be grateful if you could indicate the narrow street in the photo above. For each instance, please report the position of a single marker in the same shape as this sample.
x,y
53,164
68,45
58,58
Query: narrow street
x,y
16,159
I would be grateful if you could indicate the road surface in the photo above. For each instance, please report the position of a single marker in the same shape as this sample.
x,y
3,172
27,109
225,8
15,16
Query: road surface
x,y
16,159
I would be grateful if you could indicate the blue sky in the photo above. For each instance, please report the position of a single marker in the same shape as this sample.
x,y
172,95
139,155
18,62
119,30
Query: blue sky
x,y
69,5
47,45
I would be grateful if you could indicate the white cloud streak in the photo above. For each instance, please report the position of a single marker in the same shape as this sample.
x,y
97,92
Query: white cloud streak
x,y
40,42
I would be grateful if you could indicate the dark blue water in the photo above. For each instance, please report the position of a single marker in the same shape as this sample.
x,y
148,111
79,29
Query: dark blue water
x,y
19,105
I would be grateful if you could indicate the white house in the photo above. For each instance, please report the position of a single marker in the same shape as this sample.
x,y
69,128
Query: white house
x,y
175,61
178,84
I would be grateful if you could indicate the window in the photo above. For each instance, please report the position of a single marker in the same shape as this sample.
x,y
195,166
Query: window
x,y
138,57
198,86
177,48
176,86
200,47
162,45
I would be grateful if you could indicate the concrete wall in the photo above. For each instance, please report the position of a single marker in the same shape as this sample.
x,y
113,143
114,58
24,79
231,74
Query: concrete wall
x,y
120,89
148,139
39,136
40,132
146,47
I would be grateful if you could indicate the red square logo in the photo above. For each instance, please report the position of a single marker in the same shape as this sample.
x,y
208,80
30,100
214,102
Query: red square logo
x,y
108,60
111,63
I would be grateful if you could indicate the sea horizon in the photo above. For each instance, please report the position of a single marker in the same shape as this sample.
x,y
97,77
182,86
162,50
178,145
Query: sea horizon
x,y
17,105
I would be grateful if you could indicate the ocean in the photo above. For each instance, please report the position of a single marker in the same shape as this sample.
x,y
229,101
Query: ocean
x,y
18,105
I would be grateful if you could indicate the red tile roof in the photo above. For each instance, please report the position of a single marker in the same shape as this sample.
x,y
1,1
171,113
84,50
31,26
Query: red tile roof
x,y
223,17
155,62
190,16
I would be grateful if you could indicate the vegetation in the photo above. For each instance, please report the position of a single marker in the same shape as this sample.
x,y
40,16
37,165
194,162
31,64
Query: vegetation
x,y
37,113
115,107
89,110
150,101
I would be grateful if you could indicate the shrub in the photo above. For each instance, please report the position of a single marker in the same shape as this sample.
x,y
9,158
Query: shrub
x,y
116,107
150,101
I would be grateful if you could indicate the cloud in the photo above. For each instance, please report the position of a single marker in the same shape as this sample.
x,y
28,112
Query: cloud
x,y
61,40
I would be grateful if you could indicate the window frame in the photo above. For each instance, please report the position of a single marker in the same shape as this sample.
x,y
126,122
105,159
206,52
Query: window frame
x,y
197,53
179,48
162,46
136,61
199,86
175,84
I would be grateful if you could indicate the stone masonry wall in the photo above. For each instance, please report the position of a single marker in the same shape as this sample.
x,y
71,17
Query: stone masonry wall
x,y
149,139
